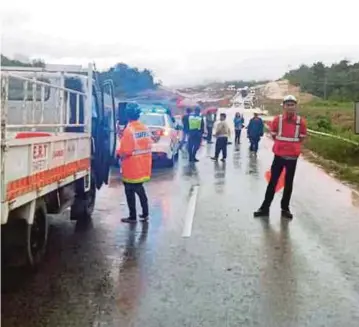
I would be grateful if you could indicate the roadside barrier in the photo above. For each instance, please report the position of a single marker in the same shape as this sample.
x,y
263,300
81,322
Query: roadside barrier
x,y
313,132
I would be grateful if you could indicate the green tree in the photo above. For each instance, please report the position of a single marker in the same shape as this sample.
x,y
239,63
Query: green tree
x,y
5,61
339,82
129,81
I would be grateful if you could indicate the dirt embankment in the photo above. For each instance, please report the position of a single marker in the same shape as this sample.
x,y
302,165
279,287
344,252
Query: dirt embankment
x,y
276,90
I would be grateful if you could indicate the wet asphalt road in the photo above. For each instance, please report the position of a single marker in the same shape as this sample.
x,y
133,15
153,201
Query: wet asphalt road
x,y
231,270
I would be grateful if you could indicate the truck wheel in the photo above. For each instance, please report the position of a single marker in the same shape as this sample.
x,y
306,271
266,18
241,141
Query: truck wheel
x,y
24,245
84,204
36,235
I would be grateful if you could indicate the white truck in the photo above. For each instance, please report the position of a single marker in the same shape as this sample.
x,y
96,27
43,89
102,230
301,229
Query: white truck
x,y
57,144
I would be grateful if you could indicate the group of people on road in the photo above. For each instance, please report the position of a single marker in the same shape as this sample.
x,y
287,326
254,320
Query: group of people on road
x,y
287,130
194,125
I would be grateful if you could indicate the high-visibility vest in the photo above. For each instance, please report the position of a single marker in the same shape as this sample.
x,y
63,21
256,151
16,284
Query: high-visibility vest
x,y
287,137
135,145
194,122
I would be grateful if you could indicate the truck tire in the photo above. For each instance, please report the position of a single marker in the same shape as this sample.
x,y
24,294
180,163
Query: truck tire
x,y
84,204
24,245
36,236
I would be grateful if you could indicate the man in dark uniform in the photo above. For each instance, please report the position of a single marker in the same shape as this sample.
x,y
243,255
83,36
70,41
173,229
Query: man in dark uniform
x,y
196,130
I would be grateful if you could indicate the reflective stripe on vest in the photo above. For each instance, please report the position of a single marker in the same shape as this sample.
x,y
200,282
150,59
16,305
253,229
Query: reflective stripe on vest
x,y
296,138
141,151
194,122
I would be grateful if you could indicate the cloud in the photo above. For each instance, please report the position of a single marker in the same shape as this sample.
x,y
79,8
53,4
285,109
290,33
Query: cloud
x,y
183,41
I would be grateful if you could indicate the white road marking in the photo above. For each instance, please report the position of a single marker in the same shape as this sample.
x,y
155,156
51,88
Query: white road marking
x,y
187,228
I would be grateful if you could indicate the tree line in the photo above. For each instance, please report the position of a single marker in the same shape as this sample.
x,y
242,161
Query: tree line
x,y
5,61
128,81
337,82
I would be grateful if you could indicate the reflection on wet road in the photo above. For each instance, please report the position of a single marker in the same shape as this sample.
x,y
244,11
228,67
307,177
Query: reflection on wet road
x,y
233,270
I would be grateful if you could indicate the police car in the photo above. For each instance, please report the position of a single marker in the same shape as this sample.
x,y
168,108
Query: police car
x,y
165,133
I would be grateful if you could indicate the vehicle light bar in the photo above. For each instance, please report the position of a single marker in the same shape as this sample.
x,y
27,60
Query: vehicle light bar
x,y
154,110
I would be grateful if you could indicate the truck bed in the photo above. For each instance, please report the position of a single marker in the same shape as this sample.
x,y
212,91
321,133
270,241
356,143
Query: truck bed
x,y
38,155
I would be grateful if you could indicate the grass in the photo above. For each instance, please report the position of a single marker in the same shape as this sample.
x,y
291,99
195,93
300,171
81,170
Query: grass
x,y
334,118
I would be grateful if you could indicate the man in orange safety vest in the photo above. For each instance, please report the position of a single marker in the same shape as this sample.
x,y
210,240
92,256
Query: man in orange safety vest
x,y
136,162
288,131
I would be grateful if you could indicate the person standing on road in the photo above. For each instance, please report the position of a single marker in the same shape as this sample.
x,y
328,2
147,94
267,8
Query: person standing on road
x,y
209,125
255,131
185,123
288,131
196,130
222,134
238,125
136,160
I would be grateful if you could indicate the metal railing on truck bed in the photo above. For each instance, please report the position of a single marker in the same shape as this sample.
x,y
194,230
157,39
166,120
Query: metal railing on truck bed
x,y
45,135
37,100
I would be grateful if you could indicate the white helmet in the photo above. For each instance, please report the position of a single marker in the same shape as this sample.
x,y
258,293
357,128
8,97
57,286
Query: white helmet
x,y
291,98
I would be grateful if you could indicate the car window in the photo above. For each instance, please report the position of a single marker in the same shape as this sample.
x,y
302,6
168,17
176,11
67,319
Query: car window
x,y
152,120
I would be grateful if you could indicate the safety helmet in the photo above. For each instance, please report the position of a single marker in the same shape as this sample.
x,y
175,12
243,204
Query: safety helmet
x,y
289,98
133,111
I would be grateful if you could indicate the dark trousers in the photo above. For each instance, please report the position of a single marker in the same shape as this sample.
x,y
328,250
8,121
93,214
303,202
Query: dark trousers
x,y
254,142
194,142
131,189
277,167
221,145
237,138
184,139
209,133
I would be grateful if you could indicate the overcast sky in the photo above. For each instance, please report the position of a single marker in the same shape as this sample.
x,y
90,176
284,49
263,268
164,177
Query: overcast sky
x,y
184,41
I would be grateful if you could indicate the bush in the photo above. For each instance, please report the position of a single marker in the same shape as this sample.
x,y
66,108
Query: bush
x,y
334,149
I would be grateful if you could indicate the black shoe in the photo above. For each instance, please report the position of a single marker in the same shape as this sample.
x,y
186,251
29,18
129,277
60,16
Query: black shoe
x,y
143,218
287,214
223,159
129,220
195,160
214,158
261,213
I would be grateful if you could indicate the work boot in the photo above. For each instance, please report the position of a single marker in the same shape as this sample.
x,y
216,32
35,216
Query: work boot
x,y
287,214
261,213
144,218
129,220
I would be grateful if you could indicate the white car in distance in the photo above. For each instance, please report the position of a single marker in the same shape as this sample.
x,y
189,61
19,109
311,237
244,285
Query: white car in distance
x,y
165,135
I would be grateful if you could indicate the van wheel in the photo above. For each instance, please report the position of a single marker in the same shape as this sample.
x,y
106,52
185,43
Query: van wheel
x,y
84,204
